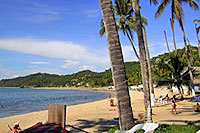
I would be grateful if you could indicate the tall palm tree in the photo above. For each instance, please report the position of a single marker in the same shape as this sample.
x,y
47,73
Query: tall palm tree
x,y
123,9
177,12
143,60
198,41
166,41
172,26
117,66
152,95
127,23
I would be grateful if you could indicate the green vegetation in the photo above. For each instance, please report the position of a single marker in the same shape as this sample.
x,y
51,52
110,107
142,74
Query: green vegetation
x,y
94,79
165,128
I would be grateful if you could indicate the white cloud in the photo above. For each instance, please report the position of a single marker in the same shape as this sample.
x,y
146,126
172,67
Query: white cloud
x,y
6,73
69,63
15,76
157,48
39,63
128,53
92,13
76,57
71,52
87,67
37,12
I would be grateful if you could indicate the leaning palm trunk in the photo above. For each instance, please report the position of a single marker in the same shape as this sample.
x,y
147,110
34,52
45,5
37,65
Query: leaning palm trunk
x,y
172,26
197,39
149,68
188,58
166,41
143,62
117,66
134,49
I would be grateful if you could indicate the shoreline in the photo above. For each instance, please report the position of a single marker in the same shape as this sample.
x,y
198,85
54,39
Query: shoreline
x,y
103,89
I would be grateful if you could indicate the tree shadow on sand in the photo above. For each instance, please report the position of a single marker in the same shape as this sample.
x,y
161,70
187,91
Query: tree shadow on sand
x,y
101,125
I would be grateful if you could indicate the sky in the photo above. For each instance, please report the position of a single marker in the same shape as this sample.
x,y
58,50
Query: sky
x,y
62,36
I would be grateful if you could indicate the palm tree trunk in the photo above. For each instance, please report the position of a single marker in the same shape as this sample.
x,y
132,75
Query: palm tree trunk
x,y
187,56
143,62
166,41
132,45
126,120
149,68
172,26
180,92
197,39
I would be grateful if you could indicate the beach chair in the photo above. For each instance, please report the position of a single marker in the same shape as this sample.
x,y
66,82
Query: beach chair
x,y
148,127
57,114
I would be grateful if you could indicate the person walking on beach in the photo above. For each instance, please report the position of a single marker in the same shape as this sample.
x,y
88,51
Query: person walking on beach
x,y
173,100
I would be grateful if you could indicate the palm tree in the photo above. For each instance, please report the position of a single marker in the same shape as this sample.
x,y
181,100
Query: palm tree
x,y
197,31
117,66
127,23
166,41
177,12
143,60
172,26
176,69
152,95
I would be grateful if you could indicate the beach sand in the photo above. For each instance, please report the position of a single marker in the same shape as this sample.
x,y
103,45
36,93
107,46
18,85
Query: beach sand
x,y
97,116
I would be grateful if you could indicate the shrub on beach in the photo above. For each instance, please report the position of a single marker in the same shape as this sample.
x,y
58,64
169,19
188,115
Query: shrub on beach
x,y
165,128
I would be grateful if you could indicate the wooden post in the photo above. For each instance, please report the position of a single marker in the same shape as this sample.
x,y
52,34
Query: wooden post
x,y
57,114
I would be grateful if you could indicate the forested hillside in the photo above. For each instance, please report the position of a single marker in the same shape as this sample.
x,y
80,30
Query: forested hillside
x,y
94,79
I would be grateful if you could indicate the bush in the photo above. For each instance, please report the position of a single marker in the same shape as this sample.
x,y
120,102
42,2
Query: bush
x,y
165,128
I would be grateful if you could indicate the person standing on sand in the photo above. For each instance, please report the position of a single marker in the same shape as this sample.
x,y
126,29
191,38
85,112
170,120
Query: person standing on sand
x,y
173,100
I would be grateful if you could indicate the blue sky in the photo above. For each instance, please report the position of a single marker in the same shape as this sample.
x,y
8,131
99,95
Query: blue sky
x,y
61,36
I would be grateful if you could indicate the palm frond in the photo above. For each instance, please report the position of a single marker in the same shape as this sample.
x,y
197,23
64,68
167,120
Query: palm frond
x,y
161,8
196,20
178,11
144,21
102,30
133,25
154,2
173,13
192,4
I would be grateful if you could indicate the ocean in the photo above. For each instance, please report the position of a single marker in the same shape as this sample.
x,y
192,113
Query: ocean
x,y
15,101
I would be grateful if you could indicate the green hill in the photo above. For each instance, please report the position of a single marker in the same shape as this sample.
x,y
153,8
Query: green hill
x,y
94,79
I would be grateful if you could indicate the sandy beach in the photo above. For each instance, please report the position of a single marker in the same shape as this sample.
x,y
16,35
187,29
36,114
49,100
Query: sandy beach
x,y
98,116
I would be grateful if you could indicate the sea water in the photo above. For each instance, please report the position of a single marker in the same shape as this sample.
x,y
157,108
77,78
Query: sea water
x,y
15,101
